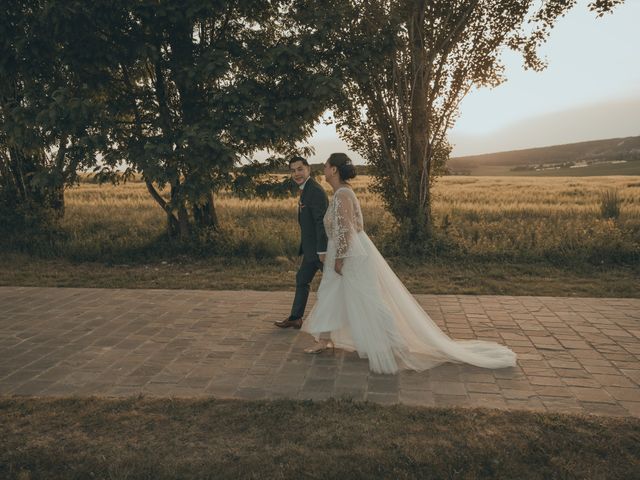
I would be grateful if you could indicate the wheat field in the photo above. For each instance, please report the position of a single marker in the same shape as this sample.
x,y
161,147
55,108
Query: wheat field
x,y
494,217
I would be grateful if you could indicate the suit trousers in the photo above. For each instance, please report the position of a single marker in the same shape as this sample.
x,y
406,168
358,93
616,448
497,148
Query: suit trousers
x,y
304,277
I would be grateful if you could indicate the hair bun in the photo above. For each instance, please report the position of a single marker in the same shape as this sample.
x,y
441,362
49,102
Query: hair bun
x,y
347,171
344,165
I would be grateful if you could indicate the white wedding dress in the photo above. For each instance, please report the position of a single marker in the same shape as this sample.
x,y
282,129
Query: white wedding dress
x,y
367,309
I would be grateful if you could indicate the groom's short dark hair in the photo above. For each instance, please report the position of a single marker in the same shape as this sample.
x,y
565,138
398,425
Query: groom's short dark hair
x,y
298,158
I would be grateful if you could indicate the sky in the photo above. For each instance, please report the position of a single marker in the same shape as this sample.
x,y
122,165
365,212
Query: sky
x,y
590,90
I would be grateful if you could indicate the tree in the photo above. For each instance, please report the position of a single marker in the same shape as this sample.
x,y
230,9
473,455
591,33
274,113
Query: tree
x,y
47,112
407,64
198,87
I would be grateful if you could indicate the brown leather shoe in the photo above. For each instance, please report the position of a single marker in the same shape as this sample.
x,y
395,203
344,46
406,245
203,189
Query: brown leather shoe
x,y
286,323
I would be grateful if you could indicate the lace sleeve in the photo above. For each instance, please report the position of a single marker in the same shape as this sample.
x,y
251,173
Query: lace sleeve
x,y
344,222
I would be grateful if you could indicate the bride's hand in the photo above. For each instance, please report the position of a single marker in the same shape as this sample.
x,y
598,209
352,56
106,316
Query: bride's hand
x,y
338,265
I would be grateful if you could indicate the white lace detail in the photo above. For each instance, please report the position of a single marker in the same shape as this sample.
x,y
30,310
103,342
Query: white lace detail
x,y
367,309
342,221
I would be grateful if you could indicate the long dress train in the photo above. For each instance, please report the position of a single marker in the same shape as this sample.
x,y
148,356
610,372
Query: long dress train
x,y
367,309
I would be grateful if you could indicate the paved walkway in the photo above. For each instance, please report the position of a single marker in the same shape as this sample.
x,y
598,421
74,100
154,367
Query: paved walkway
x,y
575,354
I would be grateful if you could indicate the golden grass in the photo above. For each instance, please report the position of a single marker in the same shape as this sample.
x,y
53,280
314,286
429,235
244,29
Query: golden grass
x,y
518,217
497,235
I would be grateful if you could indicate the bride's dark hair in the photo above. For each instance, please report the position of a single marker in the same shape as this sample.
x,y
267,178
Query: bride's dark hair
x,y
343,163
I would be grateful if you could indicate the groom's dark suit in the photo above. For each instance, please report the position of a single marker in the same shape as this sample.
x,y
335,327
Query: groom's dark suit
x,y
312,205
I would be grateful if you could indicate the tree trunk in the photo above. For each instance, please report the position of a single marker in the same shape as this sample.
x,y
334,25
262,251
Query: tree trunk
x,y
419,212
183,220
181,228
45,202
210,212
182,61
16,166
204,213
56,201
173,227
183,215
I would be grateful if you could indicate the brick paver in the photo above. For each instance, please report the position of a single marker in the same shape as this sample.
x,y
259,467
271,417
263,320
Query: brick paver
x,y
575,354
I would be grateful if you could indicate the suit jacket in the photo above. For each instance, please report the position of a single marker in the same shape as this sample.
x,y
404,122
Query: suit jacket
x,y
312,205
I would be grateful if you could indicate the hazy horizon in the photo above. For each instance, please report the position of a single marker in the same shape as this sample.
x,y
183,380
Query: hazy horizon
x,y
589,91
575,125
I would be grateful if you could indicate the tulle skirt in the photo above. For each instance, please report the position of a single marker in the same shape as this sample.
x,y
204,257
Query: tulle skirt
x,y
367,309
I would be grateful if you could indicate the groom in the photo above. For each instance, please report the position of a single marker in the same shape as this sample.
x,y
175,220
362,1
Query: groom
x,y
312,205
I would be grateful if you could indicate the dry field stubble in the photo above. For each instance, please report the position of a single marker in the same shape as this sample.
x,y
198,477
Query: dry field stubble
x,y
514,217
500,235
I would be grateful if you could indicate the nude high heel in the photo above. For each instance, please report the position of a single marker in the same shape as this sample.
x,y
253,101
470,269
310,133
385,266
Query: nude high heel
x,y
320,347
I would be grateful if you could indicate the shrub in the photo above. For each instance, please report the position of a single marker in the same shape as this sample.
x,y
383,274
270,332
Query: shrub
x,y
610,202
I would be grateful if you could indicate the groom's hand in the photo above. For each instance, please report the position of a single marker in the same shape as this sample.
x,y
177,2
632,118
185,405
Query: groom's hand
x,y
338,265
322,257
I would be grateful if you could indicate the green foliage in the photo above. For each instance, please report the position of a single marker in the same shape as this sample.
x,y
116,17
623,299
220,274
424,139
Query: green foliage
x,y
186,92
406,66
47,111
198,88
253,180
182,92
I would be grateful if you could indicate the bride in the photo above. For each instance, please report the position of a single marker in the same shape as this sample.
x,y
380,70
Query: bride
x,y
363,306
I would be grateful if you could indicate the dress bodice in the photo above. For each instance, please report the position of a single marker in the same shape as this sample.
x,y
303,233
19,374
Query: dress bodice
x,y
343,219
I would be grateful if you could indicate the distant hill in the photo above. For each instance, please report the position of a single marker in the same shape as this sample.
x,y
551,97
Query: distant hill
x,y
622,154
